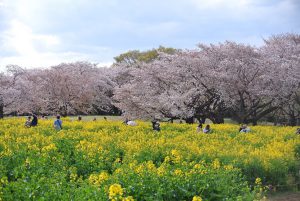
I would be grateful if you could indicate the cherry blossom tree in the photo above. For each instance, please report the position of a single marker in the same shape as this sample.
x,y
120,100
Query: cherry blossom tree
x,y
244,81
9,95
173,86
103,86
282,55
3,83
202,83
213,81
73,88
76,88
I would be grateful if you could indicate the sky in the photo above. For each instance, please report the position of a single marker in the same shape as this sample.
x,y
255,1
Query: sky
x,y
43,33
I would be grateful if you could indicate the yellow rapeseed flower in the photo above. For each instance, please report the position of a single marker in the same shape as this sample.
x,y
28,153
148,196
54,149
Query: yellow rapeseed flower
x,y
129,198
115,190
98,179
258,181
197,198
178,172
216,164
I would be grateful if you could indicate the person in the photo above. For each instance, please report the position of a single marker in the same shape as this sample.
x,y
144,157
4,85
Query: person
x,y
28,122
131,123
79,118
298,131
58,123
207,129
244,129
199,127
125,121
34,121
155,125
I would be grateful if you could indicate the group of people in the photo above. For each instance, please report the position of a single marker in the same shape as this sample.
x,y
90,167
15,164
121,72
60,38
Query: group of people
x,y
155,124
206,129
243,129
33,121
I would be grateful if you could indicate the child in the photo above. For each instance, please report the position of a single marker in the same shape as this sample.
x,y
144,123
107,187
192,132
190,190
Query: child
x,y
28,122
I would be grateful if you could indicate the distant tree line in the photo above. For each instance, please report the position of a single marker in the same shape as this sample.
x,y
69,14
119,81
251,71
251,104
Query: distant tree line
x,y
228,79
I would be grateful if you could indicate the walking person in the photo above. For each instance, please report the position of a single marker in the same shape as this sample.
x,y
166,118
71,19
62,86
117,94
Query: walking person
x,y
58,123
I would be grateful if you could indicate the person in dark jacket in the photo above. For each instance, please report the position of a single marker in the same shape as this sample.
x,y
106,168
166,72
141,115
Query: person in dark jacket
x,y
34,121
155,125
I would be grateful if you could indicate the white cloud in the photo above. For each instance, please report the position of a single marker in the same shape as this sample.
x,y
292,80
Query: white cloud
x,y
33,50
48,59
19,38
37,33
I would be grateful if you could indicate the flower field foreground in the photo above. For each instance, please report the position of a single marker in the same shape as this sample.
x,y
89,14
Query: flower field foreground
x,y
105,160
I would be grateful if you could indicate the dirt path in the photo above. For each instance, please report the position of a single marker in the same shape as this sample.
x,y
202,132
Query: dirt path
x,y
290,196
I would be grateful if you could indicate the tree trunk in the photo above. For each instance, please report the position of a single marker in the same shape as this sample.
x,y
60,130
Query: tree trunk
x,y
189,120
242,120
220,120
1,108
201,119
254,118
63,112
239,119
217,119
292,120
254,122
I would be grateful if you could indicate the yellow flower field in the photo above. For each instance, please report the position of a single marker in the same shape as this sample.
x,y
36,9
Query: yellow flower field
x,y
105,160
